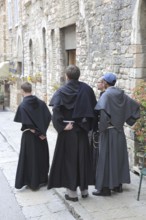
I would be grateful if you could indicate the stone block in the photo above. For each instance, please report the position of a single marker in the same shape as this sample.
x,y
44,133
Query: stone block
x,y
140,60
35,211
137,73
27,3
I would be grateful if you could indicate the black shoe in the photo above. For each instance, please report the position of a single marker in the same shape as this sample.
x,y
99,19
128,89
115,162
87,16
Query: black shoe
x,y
35,189
103,192
118,189
85,196
70,198
43,184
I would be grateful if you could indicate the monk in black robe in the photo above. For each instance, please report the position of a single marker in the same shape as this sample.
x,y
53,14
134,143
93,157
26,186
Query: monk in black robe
x,y
73,112
33,164
116,108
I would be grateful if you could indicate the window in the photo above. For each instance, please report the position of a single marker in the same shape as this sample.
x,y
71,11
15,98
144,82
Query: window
x,y
70,44
10,14
16,14
53,50
44,46
19,68
30,57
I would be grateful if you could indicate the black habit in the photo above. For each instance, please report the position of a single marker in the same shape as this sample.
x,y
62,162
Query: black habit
x,y
72,161
33,164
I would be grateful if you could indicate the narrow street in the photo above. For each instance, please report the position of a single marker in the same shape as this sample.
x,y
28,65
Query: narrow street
x,y
9,208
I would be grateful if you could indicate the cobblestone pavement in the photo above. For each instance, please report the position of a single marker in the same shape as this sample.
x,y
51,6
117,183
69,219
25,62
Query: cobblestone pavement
x,y
50,204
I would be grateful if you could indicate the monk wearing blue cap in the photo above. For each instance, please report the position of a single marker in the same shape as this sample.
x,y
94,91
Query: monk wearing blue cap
x,y
115,109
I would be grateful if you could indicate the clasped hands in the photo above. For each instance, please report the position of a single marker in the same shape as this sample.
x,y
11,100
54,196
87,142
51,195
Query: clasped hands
x,y
69,126
42,137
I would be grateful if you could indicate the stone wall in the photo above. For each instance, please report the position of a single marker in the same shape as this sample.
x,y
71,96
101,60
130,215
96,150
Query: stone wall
x,y
105,32
4,53
2,31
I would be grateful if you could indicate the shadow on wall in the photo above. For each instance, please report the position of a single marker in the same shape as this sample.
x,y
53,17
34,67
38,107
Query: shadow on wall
x,y
142,22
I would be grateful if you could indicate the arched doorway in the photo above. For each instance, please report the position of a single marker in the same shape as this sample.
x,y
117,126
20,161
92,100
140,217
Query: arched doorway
x,y
19,56
30,57
44,77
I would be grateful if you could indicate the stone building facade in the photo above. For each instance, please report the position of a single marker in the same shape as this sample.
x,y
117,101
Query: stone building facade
x,y
4,49
98,36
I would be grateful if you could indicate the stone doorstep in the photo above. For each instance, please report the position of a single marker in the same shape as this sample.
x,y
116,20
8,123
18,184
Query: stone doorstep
x,y
68,204
75,208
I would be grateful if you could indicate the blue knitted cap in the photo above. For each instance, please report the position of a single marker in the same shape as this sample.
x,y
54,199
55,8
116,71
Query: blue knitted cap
x,y
109,78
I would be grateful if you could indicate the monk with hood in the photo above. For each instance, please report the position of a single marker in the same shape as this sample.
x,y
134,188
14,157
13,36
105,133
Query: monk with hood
x,y
116,108
33,164
73,113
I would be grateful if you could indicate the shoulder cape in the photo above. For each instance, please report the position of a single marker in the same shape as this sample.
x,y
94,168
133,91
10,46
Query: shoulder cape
x,y
33,111
119,106
78,96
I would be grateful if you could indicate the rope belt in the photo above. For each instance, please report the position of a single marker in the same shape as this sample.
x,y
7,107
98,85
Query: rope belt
x,y
68,121
110,127
26,130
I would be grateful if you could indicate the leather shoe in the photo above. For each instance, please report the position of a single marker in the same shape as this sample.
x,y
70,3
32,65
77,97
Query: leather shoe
x,y
118,189
85,196
67,197
102,193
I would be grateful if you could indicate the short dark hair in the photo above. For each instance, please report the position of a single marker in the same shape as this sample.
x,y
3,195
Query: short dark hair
x,y
26,87
73,72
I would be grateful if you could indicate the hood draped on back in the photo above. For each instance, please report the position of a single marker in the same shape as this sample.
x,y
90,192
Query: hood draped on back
x,y
33,111
78,96
119,106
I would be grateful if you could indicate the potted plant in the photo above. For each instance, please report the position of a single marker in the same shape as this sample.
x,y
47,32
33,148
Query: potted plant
x,y
34,78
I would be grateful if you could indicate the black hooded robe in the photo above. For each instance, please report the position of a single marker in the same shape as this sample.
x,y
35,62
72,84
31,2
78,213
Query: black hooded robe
x,y
72,161
115,108
33,164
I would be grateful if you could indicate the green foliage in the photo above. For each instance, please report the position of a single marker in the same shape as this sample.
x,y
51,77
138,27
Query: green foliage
x,y
55,87
140,127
